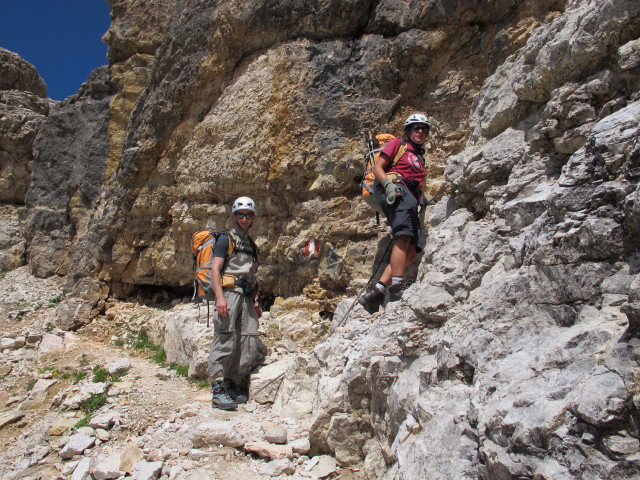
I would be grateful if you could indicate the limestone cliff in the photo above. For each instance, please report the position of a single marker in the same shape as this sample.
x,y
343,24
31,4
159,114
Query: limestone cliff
x,y
515,352
517,346
205,101
23,109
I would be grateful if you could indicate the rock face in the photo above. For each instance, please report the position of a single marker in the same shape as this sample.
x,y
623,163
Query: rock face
x,y
209,102
69,168
18,74
513,349
515,352
23,109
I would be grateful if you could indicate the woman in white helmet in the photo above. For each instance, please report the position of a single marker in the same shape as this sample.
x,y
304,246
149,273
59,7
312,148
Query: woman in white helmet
x,y
236,349
399,188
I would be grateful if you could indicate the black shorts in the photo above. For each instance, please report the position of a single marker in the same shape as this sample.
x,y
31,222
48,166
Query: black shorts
x,y
403,216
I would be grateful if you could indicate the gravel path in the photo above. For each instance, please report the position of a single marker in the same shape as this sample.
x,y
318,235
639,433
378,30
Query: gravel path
x,y
158,409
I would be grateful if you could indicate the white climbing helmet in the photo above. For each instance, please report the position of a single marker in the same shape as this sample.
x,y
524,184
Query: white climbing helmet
x,y
243,203
417,118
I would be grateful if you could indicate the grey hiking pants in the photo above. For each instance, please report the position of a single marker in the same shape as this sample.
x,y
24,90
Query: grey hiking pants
x,y
236,348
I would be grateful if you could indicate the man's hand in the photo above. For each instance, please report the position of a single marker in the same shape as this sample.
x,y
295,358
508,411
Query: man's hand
x,y
222,307
392,190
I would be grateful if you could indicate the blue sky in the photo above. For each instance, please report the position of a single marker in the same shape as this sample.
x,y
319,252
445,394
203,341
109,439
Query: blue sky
x,y
61,38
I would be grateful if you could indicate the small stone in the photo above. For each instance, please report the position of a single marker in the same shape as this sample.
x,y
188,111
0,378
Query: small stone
x,y
7,343
622,444
69,467
278,467
188,413
274,433
122,365
61,425
77,445
300,446
82,471
88,431
129,456
16,399
322,466
146,470
268,450
104,420
154,456
108,468
33,338
217,432
8,418
36,399
51,343
42,385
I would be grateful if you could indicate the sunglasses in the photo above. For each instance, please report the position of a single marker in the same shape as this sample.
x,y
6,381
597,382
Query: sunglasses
x,y
417,128
244,215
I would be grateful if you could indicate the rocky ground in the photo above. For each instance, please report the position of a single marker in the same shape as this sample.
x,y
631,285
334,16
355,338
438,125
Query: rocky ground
x,y
101,403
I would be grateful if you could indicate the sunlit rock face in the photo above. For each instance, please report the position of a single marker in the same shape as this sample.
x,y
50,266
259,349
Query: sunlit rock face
x,y
514,354
23,109
202,103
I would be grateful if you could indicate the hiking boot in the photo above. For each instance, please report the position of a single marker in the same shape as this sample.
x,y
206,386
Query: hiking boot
x,y
372,300
220,398
395,291
234,392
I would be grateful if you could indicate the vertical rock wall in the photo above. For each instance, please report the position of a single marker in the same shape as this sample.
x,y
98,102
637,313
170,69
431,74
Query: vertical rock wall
x,y
211,100
67,181
23,109
515,354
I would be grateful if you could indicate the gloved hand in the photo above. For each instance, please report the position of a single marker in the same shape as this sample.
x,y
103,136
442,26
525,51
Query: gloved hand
x,y
392,190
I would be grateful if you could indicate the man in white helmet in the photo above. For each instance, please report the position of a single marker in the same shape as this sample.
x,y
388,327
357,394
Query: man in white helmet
x,y
236,349
399,189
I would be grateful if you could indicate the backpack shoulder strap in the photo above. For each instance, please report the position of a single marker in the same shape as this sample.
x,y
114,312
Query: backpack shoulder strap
x,y
401,151
232,241
256,250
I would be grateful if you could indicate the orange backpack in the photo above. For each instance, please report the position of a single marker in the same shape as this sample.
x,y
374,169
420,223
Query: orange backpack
x,y
202,244
375,144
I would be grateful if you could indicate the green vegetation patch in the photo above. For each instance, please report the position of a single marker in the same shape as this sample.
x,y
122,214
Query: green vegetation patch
x,y
55,300
201,382
93,403
142,342
182,370
100,374
45,369
158,355
90,406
